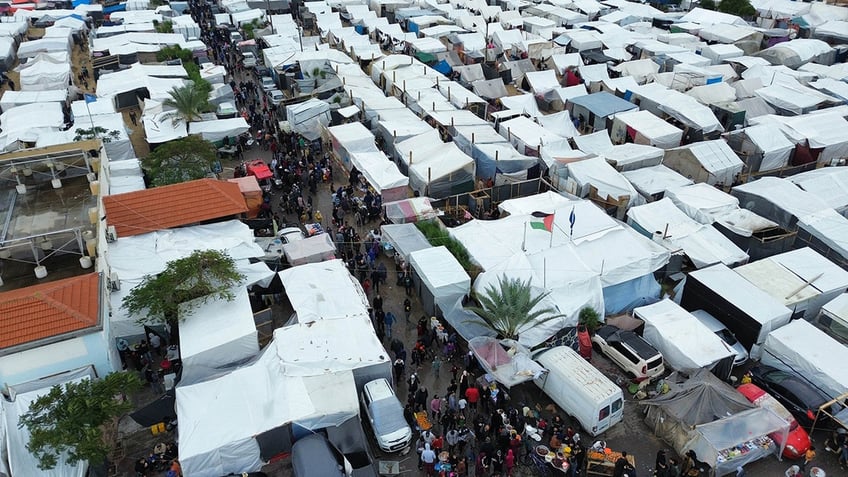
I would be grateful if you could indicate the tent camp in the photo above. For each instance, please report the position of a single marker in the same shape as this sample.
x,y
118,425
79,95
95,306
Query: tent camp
x,y
594,178
712,162
830,184
801,348
708,416
438,276
669,226
686,344
750,313
215,333
436,169
760,148
624,157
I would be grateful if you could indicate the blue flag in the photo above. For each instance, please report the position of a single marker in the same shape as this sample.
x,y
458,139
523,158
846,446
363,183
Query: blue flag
x,y
571,219
90,98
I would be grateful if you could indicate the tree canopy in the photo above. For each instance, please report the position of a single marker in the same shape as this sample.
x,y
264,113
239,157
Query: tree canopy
x,y
180,160
742,8
202,275
73,419
188,101
509,308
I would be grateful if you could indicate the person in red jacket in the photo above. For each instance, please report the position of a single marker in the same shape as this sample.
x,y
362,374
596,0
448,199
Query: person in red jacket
x,y
472,395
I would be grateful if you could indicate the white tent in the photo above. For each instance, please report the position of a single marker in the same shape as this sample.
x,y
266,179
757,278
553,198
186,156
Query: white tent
x,y
748,311
21,460
221,418
703,244
215,334
323,291
713,162
382,174
582,176
440,275
546,202
646,129
125,176
436,169
653,181
13,99
776,149
707,205
685,343
219,129
624,157
309,118
830,184
802,348
802,279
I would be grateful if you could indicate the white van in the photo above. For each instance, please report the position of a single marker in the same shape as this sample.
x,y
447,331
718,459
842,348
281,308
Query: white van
x,y
580,389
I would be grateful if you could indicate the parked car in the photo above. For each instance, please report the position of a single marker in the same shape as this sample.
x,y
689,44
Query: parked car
x,y
235,37
798,441
267,83
275,96
797,394
385,414
725,334
248,59
629,351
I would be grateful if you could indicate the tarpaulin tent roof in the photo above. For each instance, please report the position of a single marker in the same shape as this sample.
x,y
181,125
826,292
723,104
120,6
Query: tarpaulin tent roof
x,y
219,129
440,272
650,129
713,162
801,348
779,200
829,184
703,244
603,104
323,291
310,250
595,172
509,366
700,399
404,238
653,180
214,333
686,344
409,210
706,204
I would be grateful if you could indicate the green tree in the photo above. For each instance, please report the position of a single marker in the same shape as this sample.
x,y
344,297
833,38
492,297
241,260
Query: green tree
x,y
742,8
78,419
508,308
105,135
188,101
708,4
196,278
590,318
163,27
180,160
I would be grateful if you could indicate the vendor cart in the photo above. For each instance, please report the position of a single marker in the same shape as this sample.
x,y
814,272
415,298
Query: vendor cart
x,y
423,421
603,463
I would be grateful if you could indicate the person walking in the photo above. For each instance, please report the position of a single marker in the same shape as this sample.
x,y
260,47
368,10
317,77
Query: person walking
x,y
407,308
428,458
389,320
437,364
472,395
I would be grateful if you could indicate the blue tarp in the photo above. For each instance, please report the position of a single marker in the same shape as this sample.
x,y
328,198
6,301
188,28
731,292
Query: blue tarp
x,y
628,295
499,158
115,8
603,104
77,3
443,67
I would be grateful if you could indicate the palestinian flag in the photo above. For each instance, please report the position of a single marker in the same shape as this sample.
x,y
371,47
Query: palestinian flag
x,y
547,222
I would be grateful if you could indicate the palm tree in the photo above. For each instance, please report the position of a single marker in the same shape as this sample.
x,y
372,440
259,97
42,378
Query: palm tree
x,y
188,102
509,308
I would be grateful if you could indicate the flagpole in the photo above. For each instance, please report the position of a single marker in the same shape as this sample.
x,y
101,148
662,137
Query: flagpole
x,y
553,223
88,110
524,240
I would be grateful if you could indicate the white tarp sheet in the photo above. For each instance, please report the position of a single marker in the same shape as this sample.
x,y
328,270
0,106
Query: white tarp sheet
x,y
323,291
215,334
440,272
706,204
776,148
648,129
44,73
653,180
596,172
685,343
219,129
830,184
804,349
703,244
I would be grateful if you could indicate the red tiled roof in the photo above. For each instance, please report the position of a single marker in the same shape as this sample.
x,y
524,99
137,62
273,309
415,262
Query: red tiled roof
x,y
170,206
49,309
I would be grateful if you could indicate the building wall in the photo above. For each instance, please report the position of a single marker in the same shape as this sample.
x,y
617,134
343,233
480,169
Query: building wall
x,y
55,358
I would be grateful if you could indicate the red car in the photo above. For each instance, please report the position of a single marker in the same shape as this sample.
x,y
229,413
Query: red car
x,y
798,441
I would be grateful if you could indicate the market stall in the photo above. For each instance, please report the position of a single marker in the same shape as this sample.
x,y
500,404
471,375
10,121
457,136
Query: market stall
x,y
603,462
